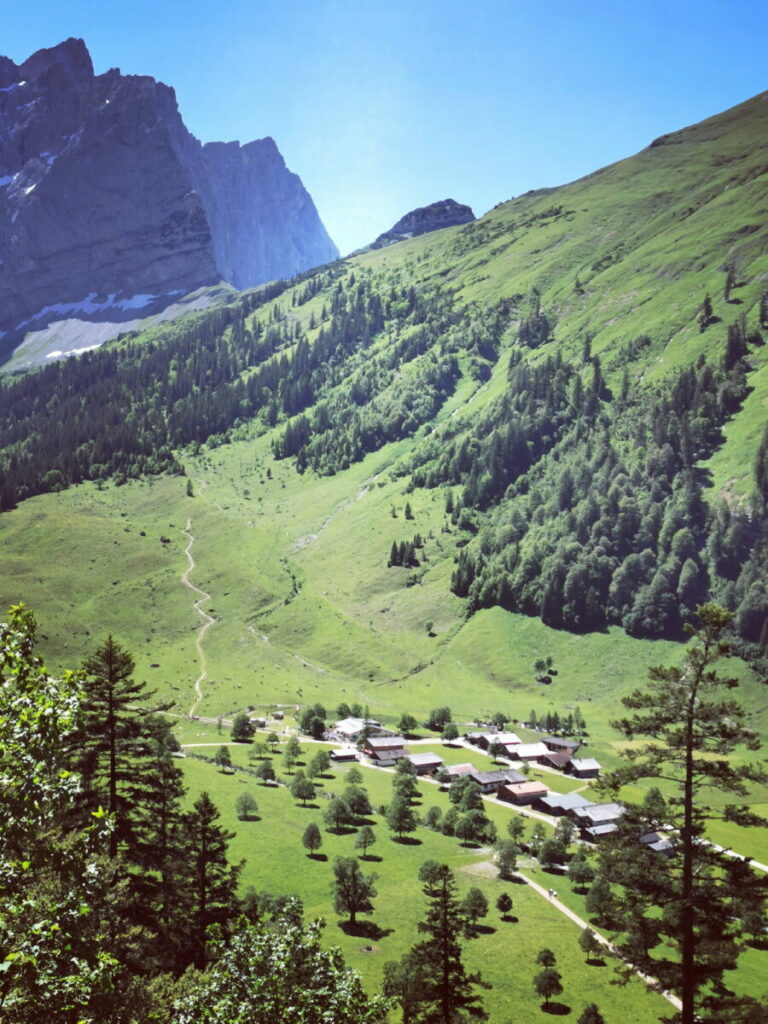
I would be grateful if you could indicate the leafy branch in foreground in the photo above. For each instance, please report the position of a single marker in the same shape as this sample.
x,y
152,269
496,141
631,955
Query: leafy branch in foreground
x,y
275,973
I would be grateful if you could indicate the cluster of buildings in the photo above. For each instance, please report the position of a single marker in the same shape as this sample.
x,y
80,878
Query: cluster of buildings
x,y
384,748
552,752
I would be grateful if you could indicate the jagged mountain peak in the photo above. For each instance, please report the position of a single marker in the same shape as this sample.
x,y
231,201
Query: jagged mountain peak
x,y
103,191
72,54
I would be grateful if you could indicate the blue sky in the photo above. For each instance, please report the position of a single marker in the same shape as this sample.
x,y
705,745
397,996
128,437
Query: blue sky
x,y
384,106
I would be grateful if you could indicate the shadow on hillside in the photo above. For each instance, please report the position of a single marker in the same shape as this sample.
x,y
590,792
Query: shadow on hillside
x,y
318,856
556,1009
364,929
406,840
596,961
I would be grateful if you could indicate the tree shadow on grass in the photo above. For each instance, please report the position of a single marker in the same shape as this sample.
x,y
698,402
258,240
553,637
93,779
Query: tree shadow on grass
x,y
484,929
308,807
342,830
556,1009
365,929
406,840
318,856
370,857
510,918
596,961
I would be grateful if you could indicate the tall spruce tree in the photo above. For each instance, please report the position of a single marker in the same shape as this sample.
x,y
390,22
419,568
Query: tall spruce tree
x,y
112,750
693,729
207,881
447,993
159,848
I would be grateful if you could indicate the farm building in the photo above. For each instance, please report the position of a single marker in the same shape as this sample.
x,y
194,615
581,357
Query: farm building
x,y
583,767
560,744
527,751
385,750
425,764
485,740
522,793
562,803
557,759
454,771
489,782
598,820
351,729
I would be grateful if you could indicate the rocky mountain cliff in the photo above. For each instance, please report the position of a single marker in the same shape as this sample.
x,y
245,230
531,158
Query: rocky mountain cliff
x,y
443,214
109,206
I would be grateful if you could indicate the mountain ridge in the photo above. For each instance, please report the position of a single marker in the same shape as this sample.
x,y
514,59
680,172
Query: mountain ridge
x,y
103,191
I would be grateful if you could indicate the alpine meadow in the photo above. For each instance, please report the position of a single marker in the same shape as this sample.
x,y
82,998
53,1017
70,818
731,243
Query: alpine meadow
x,y
497,486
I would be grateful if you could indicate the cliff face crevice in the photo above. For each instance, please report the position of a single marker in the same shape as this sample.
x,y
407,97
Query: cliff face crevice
x,y
103,191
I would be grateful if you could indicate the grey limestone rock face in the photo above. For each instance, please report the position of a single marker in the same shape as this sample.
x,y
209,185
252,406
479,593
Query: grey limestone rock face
x,y
443,214
106,200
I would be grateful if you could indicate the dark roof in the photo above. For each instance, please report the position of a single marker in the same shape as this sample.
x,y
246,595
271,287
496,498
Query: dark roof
x,y
560,742
560,758
394,754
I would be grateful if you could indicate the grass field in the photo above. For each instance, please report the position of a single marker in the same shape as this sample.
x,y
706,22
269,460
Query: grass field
x,y
505,951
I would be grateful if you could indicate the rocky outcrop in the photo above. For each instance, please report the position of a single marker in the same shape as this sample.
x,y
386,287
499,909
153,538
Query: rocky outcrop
x,y
108,203
443,214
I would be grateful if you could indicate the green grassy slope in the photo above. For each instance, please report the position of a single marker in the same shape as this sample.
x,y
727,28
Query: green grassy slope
x,y
647,238
296,565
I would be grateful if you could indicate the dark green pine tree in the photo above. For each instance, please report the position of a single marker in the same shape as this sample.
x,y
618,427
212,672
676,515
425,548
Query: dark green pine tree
x,y
448,993
761,469
207,882
112,751
705,313
159,847
692,728
730,282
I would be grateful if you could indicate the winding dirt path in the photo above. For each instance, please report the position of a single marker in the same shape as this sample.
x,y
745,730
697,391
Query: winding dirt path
x,y
207,620
551,896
